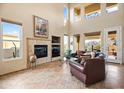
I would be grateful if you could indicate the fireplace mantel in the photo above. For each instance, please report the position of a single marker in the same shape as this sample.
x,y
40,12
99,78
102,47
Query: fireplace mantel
x,y
42,39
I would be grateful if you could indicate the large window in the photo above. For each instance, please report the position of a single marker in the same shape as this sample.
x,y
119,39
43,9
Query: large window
x,y
92,10
72,43
66,44
11,39
75,14
65,15
92,44
92,41
111,7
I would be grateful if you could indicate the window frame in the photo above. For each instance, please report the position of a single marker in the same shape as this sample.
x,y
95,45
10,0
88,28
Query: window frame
x,y
112,7
77,18
2,40
97,12
92,40
93,12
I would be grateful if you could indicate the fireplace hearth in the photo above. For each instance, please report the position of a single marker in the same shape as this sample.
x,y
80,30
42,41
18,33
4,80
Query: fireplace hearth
x,y
41,51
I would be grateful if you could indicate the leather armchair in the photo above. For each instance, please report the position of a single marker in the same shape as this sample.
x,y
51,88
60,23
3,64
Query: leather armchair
x,y
91,71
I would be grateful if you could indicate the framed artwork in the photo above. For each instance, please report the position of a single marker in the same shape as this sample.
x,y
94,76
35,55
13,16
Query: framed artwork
x,y
40,27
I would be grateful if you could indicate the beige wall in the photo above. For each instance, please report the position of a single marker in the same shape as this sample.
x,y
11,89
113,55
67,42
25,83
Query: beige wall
x,y
98,23
54,14
23,13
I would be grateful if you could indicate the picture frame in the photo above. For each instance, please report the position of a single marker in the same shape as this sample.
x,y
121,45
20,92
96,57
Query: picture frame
x,y
40,27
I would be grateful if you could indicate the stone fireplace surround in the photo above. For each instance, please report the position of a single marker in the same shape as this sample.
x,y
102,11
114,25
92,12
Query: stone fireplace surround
x,y
31,42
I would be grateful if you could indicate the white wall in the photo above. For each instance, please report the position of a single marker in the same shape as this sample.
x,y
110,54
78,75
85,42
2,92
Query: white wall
x,y
24,13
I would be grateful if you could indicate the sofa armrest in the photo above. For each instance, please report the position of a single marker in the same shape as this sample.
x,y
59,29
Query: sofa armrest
x,y
77,67
94,66
94,69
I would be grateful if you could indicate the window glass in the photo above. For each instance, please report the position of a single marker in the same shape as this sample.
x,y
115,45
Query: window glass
x,y
111,7
77,14
92,10
71,15
11,40
71,43
92,41
65,15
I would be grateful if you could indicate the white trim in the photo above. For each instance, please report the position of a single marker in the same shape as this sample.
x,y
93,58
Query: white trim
x,y
21,42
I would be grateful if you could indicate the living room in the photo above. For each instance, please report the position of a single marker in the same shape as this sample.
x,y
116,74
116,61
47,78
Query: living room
x,y
104,23
35,37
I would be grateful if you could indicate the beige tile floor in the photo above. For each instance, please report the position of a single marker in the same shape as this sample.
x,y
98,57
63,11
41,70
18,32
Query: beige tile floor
x,y
56,75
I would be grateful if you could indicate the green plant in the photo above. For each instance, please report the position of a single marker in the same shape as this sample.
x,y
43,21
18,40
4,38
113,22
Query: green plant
x,y
67,54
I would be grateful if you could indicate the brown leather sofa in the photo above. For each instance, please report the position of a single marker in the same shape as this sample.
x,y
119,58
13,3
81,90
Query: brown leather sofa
x,y
91,71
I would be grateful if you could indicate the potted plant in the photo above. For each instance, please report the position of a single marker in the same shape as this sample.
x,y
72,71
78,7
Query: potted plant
x,y
68,54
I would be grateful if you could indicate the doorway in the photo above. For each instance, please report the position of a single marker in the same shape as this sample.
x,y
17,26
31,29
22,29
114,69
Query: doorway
x,y
112,44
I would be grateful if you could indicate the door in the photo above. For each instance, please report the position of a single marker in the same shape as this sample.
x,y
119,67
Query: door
x,y
113,49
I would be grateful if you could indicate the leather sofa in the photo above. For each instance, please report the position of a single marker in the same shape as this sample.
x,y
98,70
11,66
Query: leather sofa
x,y
91,71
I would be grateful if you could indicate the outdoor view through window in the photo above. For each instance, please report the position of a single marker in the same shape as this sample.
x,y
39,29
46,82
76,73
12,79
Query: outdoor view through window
x,y
11,40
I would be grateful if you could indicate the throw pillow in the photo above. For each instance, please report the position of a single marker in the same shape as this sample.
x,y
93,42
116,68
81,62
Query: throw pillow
x,y
92,55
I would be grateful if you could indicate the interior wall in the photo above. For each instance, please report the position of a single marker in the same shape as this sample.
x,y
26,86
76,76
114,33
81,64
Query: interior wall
x,y
23,13
98,23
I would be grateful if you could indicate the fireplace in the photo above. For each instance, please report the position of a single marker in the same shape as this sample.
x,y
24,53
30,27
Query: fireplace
x,y
40,51
55,50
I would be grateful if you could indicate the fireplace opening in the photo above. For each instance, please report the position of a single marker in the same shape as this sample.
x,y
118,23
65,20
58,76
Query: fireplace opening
x,y
55,50
41,51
